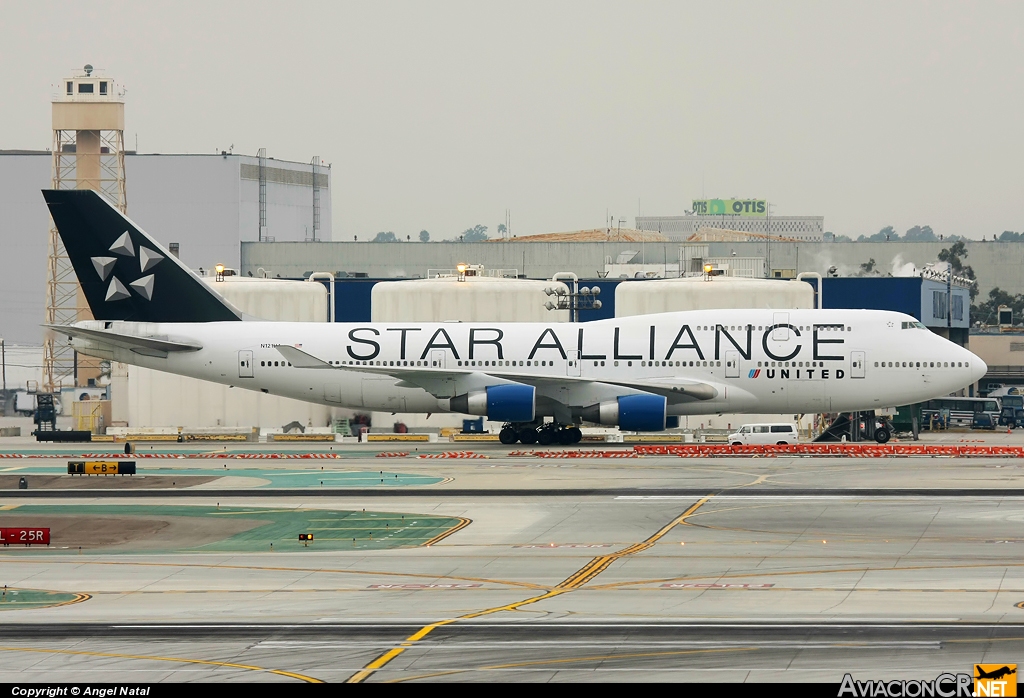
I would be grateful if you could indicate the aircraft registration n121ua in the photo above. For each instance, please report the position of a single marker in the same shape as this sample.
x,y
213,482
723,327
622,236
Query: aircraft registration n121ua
x,y
636,372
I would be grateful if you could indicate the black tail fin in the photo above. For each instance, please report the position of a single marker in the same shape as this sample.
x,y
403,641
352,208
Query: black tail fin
x,y
124,273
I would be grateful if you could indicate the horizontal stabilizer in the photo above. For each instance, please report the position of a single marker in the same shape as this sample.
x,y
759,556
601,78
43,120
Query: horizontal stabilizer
x,y
300,359
148,346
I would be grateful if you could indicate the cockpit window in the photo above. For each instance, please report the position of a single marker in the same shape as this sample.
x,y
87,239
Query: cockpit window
x,y
913,326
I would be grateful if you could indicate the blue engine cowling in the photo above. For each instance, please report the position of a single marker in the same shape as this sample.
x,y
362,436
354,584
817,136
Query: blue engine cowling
x,y
631,412
499,403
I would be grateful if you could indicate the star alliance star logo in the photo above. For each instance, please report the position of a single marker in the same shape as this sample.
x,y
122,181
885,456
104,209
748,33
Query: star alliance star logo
x,y
143,286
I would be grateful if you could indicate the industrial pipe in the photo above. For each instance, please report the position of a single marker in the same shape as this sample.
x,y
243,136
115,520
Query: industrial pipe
x,y
330,301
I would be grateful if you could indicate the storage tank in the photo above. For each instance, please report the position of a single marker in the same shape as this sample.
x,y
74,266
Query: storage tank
x,y
274,299
142,397
716,292
465,298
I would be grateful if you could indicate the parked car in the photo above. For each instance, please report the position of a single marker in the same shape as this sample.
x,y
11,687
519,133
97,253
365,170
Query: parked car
x,y
778,433
983,420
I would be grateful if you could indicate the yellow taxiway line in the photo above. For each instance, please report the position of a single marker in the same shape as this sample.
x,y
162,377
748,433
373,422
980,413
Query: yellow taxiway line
x,y
571,583
183,660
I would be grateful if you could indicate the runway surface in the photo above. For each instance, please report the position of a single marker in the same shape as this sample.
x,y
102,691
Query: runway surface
x,y
788,569
751,652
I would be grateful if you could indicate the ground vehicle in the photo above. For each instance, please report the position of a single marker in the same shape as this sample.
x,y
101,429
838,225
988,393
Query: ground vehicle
x,y
983,420
957,411
1011,413
1011,404
780,433
25,403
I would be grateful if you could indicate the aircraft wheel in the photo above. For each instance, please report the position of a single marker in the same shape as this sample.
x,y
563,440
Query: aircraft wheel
x,y
528,436
575,435
508,436
882,435
546,437
564,437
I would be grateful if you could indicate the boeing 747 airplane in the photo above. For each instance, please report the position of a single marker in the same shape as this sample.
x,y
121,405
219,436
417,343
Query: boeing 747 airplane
x,y
634,372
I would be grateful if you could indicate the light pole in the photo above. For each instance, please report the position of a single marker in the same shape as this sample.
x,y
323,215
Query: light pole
x,y
576,299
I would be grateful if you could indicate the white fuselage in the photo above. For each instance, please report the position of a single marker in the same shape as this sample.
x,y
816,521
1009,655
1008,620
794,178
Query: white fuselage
x,y
754,361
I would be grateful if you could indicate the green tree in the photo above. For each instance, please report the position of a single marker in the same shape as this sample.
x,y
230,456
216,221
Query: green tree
x,y
478,233
424,236
986,312
386,237
884,235
502,229
1010,236
954,255
921,233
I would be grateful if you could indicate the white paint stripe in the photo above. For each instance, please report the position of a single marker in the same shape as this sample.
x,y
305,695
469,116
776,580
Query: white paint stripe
x,y
630,644
788,623
805,497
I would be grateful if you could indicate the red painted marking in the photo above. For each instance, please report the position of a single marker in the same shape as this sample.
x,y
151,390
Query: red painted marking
x,y
423,586
830,449
574,544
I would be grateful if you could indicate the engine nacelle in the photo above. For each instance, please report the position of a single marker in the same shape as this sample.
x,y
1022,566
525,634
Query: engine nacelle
x,y
630,412
500,403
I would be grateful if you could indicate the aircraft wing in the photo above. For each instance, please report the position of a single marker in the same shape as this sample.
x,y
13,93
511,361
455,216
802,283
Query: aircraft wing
x,y
149,346
567,390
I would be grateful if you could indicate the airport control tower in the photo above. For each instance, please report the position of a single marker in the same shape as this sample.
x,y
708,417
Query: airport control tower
x,y
88,153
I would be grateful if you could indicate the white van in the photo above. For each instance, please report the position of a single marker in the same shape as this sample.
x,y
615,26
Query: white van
x,y
761,434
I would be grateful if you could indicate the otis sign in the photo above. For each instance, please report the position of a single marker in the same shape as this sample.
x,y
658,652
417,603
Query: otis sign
x,y
748,208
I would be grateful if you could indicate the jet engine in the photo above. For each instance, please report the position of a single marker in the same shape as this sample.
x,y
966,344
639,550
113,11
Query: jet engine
x,y
499,403
630,412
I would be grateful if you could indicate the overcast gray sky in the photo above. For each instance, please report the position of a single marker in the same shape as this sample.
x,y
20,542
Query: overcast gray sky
x,y
441,115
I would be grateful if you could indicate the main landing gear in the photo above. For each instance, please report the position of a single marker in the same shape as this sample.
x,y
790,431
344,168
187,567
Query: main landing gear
x,y
544,434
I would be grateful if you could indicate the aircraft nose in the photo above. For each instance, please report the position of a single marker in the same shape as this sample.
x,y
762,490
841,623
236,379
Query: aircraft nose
x,y
978,368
